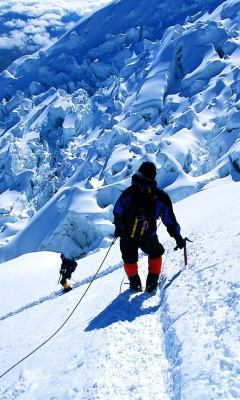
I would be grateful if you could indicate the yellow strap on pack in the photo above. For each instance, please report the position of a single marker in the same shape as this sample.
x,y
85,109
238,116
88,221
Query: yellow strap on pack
x,y
142,231
144,227
134,227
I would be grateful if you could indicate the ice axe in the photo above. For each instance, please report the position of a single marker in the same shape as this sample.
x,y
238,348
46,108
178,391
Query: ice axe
x,y
185,255
59,278
185,250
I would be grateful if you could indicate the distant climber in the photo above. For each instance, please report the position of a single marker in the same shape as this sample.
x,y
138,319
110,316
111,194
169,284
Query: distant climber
x,y
67,268
135,215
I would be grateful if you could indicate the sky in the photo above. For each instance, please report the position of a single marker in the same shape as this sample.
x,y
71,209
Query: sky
x,y
27,26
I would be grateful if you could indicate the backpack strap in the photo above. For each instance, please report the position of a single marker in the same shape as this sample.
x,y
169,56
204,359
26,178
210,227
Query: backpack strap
x,y
141,211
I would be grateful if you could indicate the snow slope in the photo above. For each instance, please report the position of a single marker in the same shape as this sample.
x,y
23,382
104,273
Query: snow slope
x,y
78,117
180,343
76,120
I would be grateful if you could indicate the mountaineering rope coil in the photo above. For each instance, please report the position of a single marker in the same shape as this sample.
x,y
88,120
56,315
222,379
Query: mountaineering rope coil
x,y
54,334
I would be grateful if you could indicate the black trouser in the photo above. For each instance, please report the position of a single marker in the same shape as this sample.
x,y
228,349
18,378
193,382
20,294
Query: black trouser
x,y
64,279
149,245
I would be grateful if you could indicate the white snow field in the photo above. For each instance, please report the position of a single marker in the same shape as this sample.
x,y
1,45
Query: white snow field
x,y
178,343
129,82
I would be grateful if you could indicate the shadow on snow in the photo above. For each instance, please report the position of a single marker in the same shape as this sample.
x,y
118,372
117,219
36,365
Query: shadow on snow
x,y
126,307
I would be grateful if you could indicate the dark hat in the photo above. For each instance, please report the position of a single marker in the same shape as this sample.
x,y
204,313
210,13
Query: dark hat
x,y
62,255
148,169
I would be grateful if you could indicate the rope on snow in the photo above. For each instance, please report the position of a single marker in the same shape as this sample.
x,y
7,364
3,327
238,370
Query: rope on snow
x,y
54,334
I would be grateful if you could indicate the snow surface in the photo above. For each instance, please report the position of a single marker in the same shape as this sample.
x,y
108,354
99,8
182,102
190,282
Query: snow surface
x,y
179,343
127,83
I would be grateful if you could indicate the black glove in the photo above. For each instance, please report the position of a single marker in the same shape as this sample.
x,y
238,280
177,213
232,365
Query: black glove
x,y
181,243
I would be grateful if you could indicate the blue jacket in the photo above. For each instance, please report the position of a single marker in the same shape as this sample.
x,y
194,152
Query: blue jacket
x,y
159,202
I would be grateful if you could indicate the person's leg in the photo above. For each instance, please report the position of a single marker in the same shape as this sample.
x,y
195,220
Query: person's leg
x,y
154,249
64,283
129,251
154,269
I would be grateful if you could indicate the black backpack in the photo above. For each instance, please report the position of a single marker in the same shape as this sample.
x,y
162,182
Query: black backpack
x,y
140,216
68,267
72,265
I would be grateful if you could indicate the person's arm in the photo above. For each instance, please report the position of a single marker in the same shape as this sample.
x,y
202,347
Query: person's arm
x,y
169,219
63,269
118,211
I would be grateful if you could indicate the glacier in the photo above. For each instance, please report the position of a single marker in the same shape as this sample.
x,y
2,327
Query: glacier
x,y
112,92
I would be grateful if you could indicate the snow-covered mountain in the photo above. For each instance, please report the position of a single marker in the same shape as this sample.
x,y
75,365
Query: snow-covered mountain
x,y
133,81
28,26
130,82
178,344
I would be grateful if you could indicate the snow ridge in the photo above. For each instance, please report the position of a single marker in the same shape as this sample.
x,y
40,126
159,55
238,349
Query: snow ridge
x,y
108,95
